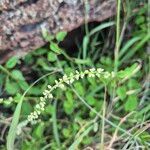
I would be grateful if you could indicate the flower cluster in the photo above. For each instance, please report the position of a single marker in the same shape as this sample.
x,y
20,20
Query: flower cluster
x,y
60,83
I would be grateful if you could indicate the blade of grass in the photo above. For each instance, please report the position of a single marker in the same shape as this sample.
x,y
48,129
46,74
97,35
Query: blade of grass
x,y
92,32
103,120
13,127
100,27
127,46
135,49
117,36
55,128
79,140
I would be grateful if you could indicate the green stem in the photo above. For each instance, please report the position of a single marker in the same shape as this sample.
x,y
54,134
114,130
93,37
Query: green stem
x,y
6,71
103,121
117,35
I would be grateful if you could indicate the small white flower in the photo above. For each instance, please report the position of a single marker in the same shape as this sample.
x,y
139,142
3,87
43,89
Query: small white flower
x,y
65,78
41,105
60,83
91,75
106,75
77,72
60,80
62,86
50,96
42,99
49,87
100,70
1,100
29,118
46,92
71,80
86,71
35,114
98,75
38,112
56,82
37,106
113,74
82,75
67,81
77,76
42,108
71,74
92,70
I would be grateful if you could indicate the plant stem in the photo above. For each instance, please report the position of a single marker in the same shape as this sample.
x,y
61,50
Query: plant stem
x,y
117,36
103,120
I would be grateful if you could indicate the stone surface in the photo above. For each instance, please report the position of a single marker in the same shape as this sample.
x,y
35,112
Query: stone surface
x,y
21,21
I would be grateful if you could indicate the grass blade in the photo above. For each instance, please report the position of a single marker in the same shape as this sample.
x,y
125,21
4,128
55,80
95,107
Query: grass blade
x,y
100,27
13,127
55,128
78,141
135,49
128,45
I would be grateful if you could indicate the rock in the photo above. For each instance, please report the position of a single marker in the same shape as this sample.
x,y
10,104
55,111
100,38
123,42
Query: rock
x,y
21,21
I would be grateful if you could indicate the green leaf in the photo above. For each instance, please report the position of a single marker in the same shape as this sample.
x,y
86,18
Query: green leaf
x,y
52,57
91,100
69,103
35,90
46,35
23,84
12,62
131,103
17,75
55,48
68,107
69,96
38,131
44,64
40,51
66,132
79,88
86,61
11,87
127,72
26,108
133,84
121,92
139,20
60,36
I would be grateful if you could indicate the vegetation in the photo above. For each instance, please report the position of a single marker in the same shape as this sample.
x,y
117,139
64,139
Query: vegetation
x,y
95,96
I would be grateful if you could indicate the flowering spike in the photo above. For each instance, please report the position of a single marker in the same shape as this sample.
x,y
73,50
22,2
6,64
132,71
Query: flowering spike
x,y
60,83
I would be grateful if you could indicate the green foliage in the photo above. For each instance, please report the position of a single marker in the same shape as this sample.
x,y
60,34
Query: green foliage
x,y
131,103
52,57
72,119
121,92
55,48
12,62
60,36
